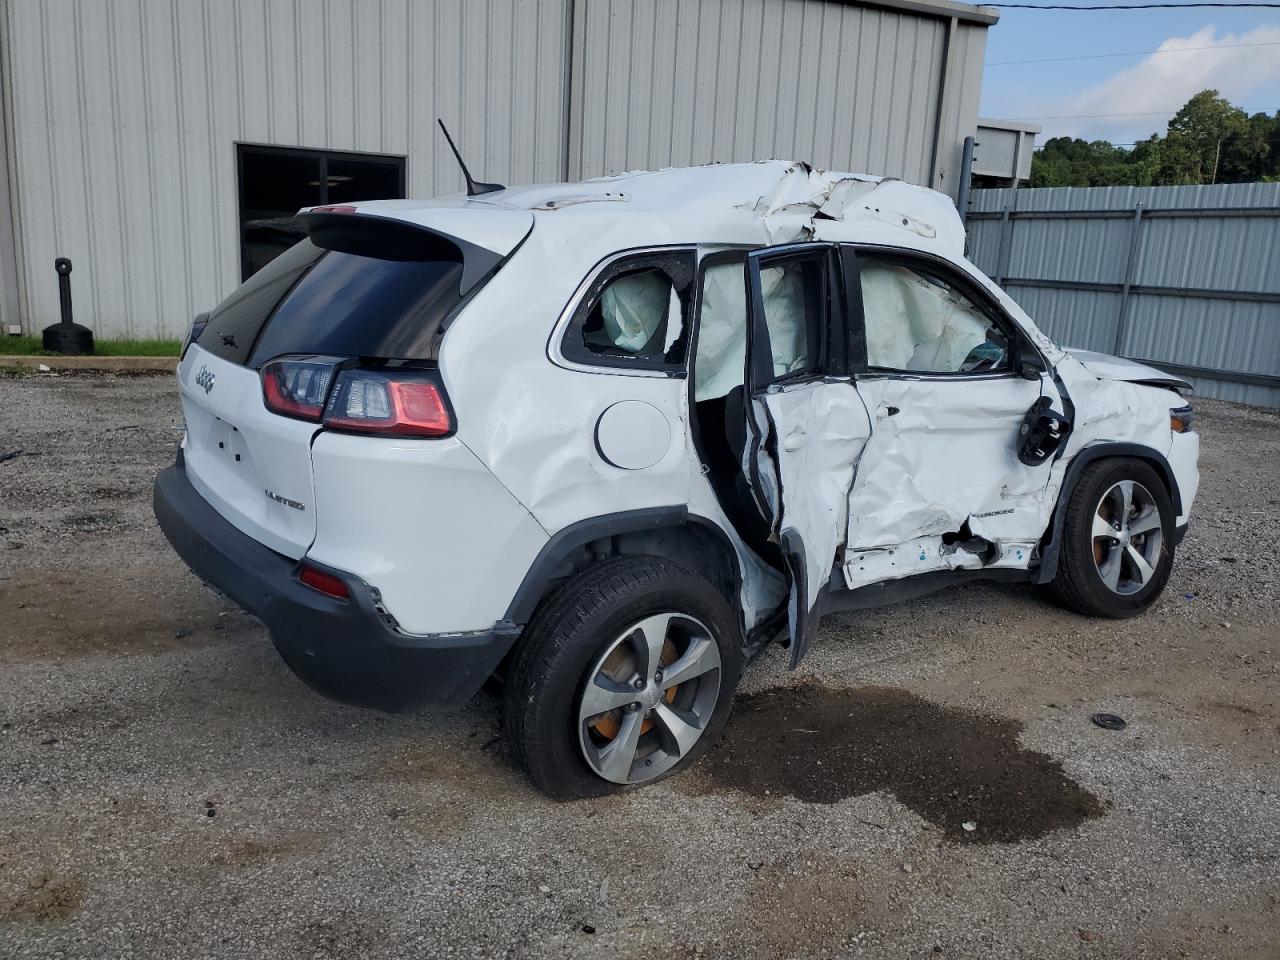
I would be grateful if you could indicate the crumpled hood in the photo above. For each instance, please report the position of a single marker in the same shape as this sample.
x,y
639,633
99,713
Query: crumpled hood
x,y
1106,367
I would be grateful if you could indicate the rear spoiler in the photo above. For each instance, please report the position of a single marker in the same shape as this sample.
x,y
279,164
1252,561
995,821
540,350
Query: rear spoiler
x,y
387,238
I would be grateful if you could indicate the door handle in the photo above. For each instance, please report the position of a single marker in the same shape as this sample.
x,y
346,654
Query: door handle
x,y
795,441
887,411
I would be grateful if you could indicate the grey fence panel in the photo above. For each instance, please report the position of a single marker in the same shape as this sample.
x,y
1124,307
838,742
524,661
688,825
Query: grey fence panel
x,y
1184,277
1081,318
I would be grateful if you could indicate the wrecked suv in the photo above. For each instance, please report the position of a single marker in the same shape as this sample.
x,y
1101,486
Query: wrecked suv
x,y
607,440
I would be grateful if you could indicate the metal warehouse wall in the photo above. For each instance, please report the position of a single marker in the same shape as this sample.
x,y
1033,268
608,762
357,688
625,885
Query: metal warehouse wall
x,y
1186,277
847,87
126,115
121,116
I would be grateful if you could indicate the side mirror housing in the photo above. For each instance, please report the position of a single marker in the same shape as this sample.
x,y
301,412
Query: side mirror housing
x,y
1030,367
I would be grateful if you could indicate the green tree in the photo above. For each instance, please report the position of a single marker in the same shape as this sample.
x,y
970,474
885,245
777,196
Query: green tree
x,y
1253,153
1200,129
1209,141
1067,162
1177,161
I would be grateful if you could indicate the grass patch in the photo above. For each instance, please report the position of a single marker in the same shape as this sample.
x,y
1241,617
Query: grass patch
x,y
34,347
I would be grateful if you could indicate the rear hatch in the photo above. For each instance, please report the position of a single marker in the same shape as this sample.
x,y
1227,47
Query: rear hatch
x,y
360,290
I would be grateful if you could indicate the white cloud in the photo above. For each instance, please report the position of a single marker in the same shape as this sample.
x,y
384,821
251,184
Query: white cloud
x,y
1248,76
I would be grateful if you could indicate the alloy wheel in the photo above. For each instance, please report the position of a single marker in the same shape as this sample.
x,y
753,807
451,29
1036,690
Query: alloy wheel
x,y
649,697
1127,537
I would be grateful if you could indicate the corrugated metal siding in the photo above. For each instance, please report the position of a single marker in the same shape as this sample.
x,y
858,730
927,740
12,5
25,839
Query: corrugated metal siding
x,y
10,278
1216,253
677,82
960,104
126,113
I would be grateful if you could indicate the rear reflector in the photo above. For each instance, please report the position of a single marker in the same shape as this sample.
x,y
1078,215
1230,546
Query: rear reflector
x,y
326,583
400,403
297,388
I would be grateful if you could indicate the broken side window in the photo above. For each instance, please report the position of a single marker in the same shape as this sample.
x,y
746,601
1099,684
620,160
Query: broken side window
x,y
635,314
918,321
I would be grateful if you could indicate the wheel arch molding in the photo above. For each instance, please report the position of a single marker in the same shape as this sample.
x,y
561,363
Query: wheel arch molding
x,y
669,532
1093,452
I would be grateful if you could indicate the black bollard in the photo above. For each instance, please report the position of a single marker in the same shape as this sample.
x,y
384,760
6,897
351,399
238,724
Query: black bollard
x,y
66,337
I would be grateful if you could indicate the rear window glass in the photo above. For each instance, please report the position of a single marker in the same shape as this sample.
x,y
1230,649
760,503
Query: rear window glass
x,y
311,300
235,323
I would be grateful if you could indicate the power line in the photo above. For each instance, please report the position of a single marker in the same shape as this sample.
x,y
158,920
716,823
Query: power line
x,y
1130,6
1135,53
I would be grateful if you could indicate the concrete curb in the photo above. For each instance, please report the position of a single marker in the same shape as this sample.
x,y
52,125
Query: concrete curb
x,y
101,364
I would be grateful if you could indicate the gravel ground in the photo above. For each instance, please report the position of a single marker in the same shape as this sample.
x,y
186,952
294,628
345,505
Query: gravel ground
x,y
167,788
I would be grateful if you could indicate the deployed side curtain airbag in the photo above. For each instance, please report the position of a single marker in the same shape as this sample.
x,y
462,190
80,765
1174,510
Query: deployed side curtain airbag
x,y
915,324
722,332
784,305
633,308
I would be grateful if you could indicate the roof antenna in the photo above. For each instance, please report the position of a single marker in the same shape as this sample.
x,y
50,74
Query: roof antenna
x,y
474,189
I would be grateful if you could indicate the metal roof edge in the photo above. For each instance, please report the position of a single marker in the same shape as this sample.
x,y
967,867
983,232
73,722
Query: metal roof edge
x,y
964,12
1017,125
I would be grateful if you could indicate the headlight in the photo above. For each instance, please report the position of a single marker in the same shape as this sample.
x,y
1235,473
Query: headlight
x,y
1181,419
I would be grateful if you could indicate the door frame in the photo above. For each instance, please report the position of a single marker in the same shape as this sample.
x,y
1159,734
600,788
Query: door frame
x,y
759,382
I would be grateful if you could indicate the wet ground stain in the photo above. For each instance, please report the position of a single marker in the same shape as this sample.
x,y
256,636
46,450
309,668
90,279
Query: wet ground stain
x,y
953,767
47,898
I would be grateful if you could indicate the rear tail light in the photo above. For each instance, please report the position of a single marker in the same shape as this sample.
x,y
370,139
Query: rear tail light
x,y
297,388
397,402
325,582
400,403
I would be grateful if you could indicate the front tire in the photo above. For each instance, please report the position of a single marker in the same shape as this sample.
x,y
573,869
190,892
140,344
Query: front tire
x,y
1117,546
623,677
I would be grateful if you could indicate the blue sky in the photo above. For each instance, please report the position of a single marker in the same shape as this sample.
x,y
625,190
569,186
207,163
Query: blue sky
x,y
1242,61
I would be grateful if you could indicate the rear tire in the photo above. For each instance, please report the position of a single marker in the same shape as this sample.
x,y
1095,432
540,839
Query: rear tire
x,y
596,623
1117,546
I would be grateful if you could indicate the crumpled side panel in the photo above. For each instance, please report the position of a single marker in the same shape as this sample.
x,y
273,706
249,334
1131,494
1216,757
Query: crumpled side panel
x,y
820,431
1116,410
943,458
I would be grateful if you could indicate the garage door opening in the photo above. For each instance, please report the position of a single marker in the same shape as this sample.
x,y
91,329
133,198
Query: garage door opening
x,y
275,182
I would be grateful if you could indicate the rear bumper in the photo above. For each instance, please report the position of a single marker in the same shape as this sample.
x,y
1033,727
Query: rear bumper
x,y
345,649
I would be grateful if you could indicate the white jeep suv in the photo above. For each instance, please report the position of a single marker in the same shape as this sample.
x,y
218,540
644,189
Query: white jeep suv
x,y
609,439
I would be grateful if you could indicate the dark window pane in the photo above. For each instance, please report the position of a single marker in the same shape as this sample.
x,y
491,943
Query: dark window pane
x,y
276,182
351,180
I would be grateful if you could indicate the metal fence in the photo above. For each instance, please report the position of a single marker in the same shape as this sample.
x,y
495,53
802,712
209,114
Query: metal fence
x,y
1187,278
